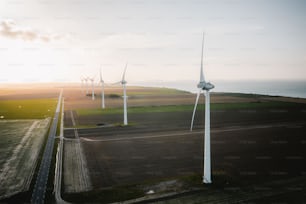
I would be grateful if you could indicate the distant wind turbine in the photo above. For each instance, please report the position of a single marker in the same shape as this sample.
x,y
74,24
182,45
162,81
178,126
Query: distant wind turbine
x,y
93,88
123,83
205,86
102,90
82,84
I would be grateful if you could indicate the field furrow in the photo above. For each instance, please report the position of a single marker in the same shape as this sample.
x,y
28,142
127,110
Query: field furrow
x,y
18,167
76,176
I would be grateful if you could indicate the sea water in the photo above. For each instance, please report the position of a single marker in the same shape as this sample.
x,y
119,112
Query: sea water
x,y
273,87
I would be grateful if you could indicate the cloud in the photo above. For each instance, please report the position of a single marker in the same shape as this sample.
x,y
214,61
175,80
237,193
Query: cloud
x,y
133,41
9,29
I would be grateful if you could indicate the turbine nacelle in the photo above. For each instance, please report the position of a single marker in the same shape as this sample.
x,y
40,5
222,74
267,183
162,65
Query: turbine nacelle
x,y
205,86
123,82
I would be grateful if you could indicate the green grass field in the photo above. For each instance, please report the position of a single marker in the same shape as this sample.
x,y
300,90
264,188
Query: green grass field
x,y
27,109
176,108
156,91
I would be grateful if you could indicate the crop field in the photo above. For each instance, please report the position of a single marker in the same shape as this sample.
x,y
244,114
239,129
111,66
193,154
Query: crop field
x,y
76,177
254,139
145,96
254,148
25,115
29,91
178,108
143,157
27,108
20,145
180,116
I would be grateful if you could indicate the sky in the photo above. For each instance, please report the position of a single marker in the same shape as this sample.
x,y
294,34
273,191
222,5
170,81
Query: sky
x,y
63,40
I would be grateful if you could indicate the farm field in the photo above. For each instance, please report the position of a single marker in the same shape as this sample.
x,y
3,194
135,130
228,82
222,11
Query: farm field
x,y
27,108
76,177
29,91
146,96
20,145
255,139
157,127
25,115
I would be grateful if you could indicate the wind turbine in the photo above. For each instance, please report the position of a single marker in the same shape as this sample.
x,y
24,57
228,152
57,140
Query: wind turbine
x,y
102,90
93,88
123,83
206,87
82,84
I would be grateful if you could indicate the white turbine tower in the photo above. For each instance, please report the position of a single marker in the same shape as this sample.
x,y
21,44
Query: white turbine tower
x,y
123,83
102,90
93,88
205,86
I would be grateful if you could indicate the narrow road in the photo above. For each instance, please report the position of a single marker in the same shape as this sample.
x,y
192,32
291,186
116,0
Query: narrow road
x,y
38,195
59,163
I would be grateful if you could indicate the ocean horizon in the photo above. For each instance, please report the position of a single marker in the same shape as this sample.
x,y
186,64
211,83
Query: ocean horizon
x,y
296,89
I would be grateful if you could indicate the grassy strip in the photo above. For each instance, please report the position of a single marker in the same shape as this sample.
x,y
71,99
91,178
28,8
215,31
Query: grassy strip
x,y
27,109
179,108
58,128
156,91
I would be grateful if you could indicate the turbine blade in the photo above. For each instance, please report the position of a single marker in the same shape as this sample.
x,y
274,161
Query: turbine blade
x,y
116,83
94,77
194,109
123,76
202,79
101,75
